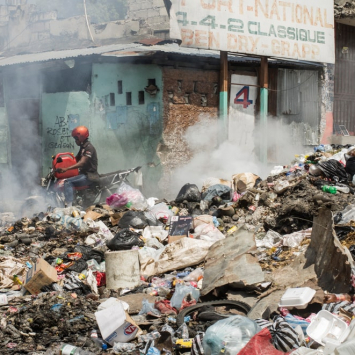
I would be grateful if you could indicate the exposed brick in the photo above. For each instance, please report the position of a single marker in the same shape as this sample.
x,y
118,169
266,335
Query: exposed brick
x,y
178,116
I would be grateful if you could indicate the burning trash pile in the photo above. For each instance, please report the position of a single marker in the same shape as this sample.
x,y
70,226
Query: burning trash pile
x,y
243,266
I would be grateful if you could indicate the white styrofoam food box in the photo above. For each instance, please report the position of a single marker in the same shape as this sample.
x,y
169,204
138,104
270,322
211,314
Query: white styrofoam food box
x,y
326,327
297,297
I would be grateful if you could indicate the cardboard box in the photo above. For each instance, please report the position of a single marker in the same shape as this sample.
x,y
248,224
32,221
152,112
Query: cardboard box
x,y
41,274
116,326
179,227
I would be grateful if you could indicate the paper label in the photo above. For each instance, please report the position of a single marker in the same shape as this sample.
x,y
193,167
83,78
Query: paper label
x,y
3,299
68,350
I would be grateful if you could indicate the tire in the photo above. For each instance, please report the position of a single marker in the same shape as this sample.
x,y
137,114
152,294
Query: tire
x,y
236,304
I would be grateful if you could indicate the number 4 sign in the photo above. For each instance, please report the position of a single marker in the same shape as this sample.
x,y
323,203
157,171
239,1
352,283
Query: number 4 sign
x,y
244,92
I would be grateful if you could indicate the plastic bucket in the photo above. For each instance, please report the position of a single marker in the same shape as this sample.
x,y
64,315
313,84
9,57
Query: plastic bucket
x,y
122,269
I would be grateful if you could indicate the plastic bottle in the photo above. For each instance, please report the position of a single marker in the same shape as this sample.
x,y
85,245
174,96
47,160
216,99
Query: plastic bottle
x,y
331,189
333,298
97,340
67,349
343,189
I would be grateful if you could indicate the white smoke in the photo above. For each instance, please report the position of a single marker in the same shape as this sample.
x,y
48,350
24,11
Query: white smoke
x,y
239,153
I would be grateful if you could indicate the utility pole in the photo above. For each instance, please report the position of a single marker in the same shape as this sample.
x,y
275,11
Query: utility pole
x,y
264,91
223,97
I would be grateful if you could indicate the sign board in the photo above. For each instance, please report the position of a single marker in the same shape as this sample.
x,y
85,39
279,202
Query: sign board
x,y
243,96
293,29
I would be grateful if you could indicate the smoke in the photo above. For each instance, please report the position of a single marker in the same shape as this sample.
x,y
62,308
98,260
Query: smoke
x,y
239,153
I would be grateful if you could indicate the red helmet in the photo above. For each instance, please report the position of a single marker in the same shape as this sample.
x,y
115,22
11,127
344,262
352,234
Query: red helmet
x,y
81,133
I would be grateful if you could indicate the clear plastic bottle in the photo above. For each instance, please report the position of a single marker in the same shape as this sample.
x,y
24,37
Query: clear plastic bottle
x,y
343,189
67,349
97,340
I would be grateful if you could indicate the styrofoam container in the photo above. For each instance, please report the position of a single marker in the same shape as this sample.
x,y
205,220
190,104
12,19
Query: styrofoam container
x,y
297,297
327,328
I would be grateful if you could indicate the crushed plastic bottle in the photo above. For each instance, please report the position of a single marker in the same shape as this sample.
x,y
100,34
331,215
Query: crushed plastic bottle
x,y
123,348
67,349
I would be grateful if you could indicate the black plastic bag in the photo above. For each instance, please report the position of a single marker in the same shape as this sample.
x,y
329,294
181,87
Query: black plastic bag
x,y
78,266
189,193
90,253
334,170
219,190
350,166
133,219
125,240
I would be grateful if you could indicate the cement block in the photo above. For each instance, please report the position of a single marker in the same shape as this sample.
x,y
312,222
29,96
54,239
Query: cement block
x,y
152,13
158,3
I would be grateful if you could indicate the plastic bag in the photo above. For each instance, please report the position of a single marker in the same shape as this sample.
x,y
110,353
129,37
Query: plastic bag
x,y
261,344
133,219
147,259
295,239
195,275
334,170
222,191
270,240
154,243
155,232
190,193
161,211
89,253
125,239
148,308
208,232
203,219
181,291
133,196
116,201
346,348
232,334
348,214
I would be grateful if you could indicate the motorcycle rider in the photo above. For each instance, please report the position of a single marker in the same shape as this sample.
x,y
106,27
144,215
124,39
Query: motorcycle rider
x,y
86,163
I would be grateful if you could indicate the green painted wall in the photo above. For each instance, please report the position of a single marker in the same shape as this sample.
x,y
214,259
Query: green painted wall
x,y
61,112
124,135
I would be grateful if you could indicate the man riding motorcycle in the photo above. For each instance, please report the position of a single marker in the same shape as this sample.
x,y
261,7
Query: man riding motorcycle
x,y
86,163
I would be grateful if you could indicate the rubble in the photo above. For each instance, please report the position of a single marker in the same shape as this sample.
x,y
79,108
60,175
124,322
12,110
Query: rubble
x,y
152,277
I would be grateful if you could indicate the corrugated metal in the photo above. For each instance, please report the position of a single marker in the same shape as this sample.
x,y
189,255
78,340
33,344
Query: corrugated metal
x,y
73,53
344,81
298,103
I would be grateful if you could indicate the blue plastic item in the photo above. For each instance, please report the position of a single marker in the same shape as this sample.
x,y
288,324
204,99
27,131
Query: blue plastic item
x,y
153,351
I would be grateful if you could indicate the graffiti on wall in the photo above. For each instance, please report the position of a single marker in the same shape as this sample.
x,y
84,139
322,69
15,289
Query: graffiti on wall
x,y
58,135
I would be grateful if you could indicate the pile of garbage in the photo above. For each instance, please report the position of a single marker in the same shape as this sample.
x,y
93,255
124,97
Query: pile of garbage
x,y
241,266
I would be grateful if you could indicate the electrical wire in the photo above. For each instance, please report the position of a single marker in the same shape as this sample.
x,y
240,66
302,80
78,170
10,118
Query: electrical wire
x,y
87,22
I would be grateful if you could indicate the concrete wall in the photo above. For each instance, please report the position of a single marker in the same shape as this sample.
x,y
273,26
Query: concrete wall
x,y
127,136
61,113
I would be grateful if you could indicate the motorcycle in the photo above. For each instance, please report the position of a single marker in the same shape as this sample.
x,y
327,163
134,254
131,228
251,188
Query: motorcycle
x,y
84,196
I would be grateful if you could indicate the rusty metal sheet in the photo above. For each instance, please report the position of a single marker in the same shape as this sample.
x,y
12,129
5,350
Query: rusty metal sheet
x,y
333,262
231,262
344,84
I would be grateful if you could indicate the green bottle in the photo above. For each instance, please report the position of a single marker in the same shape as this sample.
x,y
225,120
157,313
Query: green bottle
x,y
330,189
